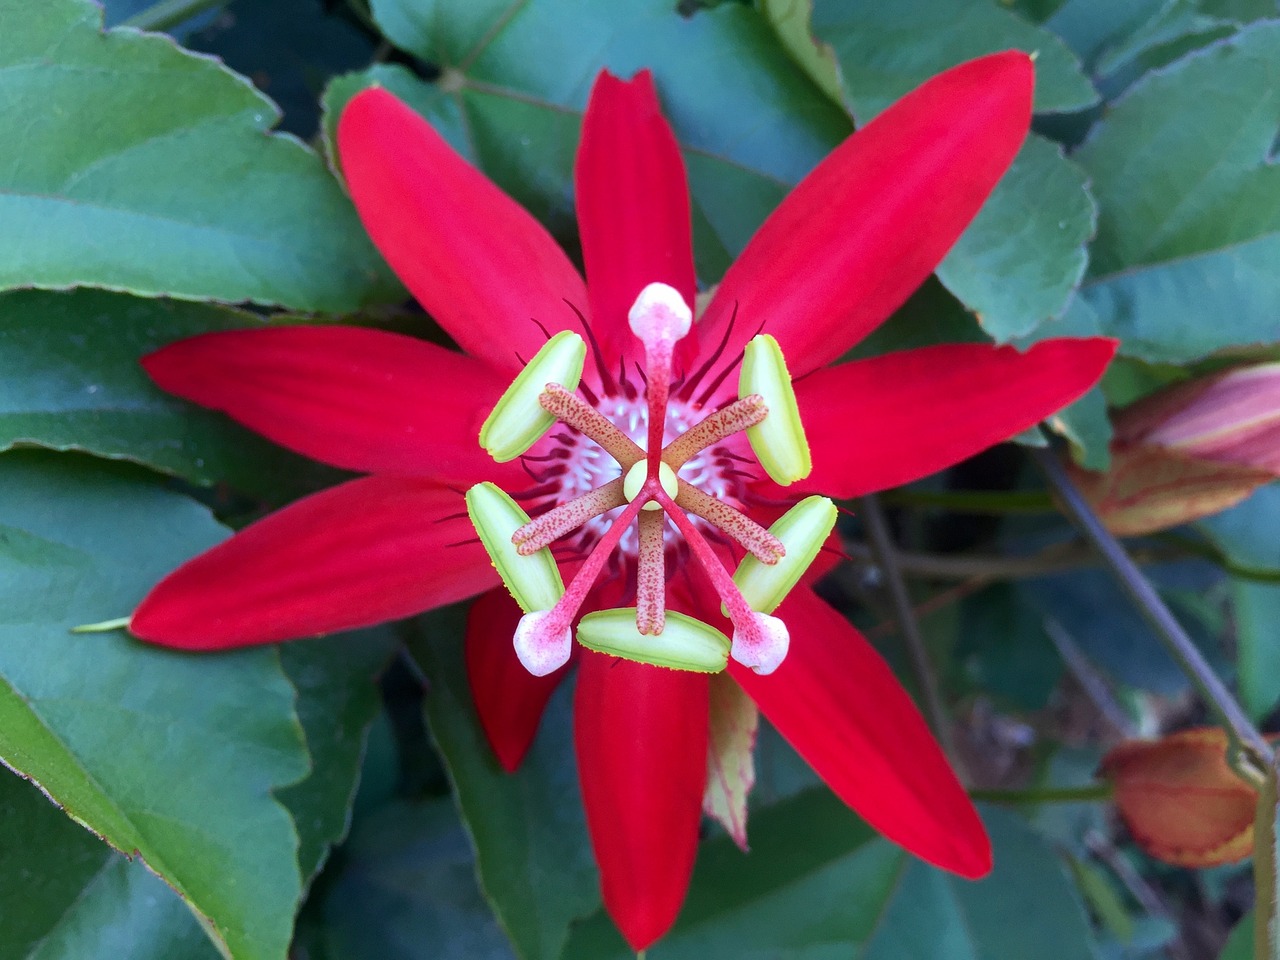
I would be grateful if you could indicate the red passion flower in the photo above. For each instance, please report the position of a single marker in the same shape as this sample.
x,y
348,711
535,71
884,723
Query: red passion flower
x,y
841,252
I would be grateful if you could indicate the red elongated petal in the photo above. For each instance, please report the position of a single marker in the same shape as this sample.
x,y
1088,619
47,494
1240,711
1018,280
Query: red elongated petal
x,y
869,224
633,208
836,701
367,551
878,423
474,258
509,699
358,399
641,735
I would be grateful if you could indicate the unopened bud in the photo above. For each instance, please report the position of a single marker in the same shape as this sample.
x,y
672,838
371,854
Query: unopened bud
x,y
1189,451
1180,798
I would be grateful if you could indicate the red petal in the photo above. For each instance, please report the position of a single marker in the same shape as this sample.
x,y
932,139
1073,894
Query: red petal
x,y
878,423
358,399
371,550
509,699
836,701
641,734
870,223
633,207
474,258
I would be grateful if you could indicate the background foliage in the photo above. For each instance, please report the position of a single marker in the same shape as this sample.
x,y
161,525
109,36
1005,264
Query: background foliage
x,y
335,796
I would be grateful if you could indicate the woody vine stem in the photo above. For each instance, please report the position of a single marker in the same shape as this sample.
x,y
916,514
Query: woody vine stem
x,y
1252,755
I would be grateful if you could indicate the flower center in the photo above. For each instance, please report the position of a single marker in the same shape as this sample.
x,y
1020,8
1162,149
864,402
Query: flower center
x,y
573,465
649,443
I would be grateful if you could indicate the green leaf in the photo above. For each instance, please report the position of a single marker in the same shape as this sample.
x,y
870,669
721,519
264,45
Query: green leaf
x,y
818,884
887,49
64,895
1022,257
1246,534
288,47
1019,262
1189,232
1239,945
407,891
72,382
149,169
749,124
1119,42
337,701
172,755
746,118
528,827
790,20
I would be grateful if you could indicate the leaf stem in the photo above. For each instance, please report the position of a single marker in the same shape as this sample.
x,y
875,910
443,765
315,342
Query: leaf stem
x,y
1247,739
872,514
1036,795
973,501
1059,558
169,13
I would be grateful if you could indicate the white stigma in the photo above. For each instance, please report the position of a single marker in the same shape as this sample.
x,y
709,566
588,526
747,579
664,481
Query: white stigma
x,y
660,315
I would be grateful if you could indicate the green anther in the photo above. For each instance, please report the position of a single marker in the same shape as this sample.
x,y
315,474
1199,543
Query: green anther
x,y
803,530
518,420
534,580
778,441
685,643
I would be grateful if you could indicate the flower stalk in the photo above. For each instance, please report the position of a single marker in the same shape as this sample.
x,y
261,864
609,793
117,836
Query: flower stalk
x,y
1251,755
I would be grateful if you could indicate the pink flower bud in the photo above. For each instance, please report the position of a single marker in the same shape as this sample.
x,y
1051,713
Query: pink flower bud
x,y
1189,451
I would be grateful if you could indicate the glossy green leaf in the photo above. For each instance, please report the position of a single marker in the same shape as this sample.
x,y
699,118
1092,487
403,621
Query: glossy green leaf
x,y
790,20
148,169
818,883
1019,261
172,755
407,891
286,46
1189,232
527,828
745,116
336,681
65,895
1119,42
887,49
684,644
1246,534
72,382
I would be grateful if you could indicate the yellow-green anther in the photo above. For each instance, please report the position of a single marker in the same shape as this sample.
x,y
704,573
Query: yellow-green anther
x,y
778,441
803,530
684,644
518,421
534,580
